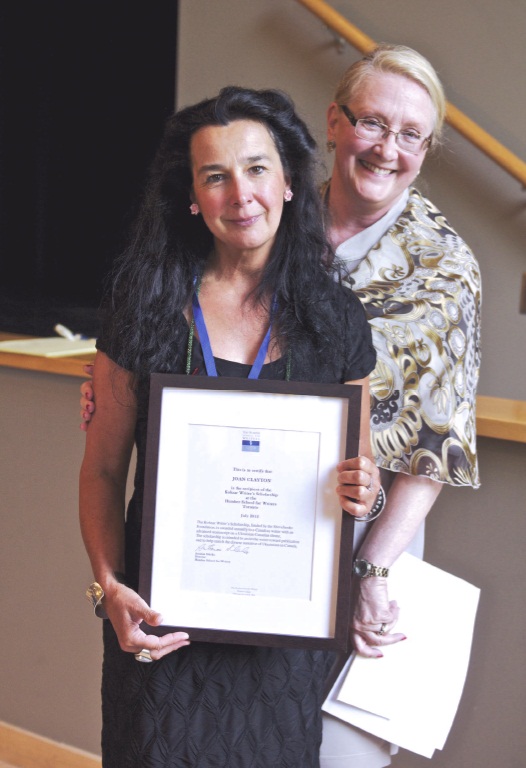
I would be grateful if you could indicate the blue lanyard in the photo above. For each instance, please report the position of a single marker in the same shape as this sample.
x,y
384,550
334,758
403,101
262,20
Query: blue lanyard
x,y
210,364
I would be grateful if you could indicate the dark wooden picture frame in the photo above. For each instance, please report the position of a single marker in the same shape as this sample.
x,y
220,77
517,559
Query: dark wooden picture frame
x,y
259,396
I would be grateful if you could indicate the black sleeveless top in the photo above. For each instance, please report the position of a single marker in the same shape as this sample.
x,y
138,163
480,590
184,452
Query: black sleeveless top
x,y
210,705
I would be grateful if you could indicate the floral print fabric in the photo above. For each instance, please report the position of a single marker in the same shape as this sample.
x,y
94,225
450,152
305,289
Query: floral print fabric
x,y
420,286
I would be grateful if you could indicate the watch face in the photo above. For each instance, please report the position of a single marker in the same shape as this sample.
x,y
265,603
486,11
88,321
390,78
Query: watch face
x,y
361,568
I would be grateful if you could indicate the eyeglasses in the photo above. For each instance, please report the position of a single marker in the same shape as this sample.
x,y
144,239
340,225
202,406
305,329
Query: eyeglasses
x,y
371,129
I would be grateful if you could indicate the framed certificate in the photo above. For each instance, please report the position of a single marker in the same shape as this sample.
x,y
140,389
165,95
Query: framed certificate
x,y
243,540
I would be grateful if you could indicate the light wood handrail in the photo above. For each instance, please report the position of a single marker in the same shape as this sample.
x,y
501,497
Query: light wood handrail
x,y
456,119
501,418
496,417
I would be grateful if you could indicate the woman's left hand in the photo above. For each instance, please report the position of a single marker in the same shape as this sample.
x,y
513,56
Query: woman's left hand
x,y
358,485
374,618
127,612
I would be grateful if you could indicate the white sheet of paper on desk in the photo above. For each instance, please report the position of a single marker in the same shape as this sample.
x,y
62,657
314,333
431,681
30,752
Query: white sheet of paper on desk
x,y
54,346
411,695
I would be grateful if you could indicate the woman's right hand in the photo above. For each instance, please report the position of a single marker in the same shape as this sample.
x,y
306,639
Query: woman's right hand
x,y
358,485
127,611
87,401
374,618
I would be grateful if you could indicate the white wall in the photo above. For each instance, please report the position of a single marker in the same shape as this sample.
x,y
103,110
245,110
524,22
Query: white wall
x,y
51,642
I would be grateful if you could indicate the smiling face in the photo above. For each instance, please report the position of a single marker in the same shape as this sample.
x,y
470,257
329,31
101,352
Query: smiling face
x,y
238,183
374,176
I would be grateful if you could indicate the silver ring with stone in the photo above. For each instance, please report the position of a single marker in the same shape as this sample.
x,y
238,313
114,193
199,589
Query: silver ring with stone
x,y
145,656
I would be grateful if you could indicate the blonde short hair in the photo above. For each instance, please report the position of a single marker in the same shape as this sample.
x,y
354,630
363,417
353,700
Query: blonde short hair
x,y
398,60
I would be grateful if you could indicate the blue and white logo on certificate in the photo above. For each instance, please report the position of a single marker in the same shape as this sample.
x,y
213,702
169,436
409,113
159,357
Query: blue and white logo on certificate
x,y
250,441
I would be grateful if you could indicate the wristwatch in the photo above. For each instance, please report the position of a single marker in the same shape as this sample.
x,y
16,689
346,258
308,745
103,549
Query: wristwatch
x,y
364,569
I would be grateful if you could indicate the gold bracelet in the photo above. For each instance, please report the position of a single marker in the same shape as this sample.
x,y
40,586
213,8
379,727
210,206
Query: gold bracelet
x,y
94,595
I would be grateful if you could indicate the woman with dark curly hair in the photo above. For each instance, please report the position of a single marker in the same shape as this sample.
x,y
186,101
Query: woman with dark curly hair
x,y
229,239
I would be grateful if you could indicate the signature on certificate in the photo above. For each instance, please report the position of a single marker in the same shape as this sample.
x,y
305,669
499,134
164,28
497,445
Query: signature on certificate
x,y
211,547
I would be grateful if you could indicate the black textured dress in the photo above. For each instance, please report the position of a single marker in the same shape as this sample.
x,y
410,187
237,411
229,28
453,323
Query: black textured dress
x,y
220,706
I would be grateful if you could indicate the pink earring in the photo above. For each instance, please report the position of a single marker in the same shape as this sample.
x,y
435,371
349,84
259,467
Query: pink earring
x,y
288,195
194,209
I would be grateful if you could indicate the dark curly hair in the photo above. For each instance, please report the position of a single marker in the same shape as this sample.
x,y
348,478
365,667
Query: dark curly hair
x,y
152,281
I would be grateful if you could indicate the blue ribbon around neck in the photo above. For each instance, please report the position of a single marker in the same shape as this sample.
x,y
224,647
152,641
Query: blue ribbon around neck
x,y
210,364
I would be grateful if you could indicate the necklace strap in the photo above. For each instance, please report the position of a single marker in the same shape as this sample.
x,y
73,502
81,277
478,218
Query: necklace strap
x,y
190,347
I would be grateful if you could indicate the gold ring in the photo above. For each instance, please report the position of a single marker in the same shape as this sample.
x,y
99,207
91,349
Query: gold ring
x,y
145,656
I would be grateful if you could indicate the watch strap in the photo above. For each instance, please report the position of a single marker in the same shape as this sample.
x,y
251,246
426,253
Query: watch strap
x,y
364,569
378,570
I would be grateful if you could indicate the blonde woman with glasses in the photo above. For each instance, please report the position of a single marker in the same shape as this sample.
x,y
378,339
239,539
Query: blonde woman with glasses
x,y
420,285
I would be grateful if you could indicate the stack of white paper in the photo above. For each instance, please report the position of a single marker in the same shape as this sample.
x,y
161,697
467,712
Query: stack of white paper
x,y
410,696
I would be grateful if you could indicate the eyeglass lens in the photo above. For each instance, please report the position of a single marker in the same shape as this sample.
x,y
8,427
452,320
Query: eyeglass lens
x,y
371,130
